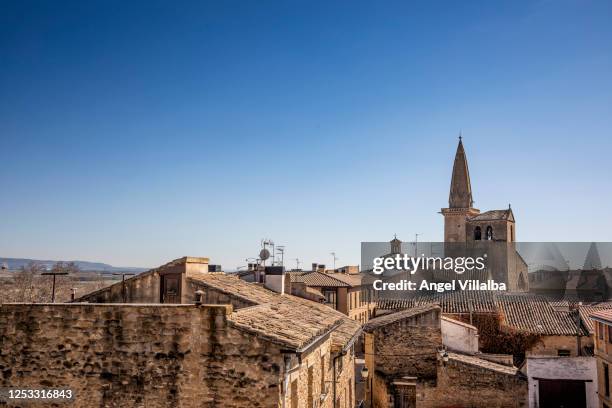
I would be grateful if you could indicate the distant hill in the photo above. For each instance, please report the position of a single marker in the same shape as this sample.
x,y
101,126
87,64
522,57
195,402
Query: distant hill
x,y
16,263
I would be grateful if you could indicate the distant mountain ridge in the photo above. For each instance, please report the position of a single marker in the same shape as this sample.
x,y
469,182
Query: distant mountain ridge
x,y
16,263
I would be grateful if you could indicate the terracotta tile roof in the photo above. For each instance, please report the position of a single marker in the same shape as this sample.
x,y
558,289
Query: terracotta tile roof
x,y
585,314
285,323
605,315
319,279
284,319
231,285
356,279
479,362
453,302
492,215
526,311
381,321
535,314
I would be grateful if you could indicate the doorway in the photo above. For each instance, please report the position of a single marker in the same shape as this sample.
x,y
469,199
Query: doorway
x,y
562,394
170,288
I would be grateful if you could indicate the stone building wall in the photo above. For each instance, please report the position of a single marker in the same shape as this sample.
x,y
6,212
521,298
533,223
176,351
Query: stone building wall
x,y
137,355
143,288
464,385
424,336
314,381
550,345
345,386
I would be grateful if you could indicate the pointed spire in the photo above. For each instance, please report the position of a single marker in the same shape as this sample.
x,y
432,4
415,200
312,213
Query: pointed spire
x,y
461,189
592,260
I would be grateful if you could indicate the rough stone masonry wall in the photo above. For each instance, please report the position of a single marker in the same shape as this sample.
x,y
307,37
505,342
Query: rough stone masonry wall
x,y
408,347
464,385
136,355
143,288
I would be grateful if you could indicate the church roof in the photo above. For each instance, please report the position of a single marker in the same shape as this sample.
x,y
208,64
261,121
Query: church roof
x,y
460,190
494,215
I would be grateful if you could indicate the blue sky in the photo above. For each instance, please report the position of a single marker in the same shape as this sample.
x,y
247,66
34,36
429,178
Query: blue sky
x,y
138,133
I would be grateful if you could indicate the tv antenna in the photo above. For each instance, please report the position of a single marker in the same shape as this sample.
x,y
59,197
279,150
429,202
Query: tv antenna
x,y
335,258
281,250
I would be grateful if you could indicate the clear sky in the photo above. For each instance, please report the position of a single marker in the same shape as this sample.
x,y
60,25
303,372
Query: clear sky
x,y
135,133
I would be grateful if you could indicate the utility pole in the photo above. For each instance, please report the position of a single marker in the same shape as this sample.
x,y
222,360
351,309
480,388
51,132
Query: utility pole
x,y
123,291
54,274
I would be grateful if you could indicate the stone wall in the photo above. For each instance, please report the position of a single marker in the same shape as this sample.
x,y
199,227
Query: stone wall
x,y
137,355
550,345
409,347
464,385
314,381
143,288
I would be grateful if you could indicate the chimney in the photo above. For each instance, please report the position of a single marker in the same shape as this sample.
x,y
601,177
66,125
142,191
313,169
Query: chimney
x,y
314,266
194,265
321,268
275,278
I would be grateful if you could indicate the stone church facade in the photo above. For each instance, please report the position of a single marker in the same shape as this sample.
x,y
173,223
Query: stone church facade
x,y
469,232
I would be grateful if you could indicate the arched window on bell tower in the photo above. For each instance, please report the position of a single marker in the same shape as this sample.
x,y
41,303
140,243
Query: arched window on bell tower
x,y
489,235
477,234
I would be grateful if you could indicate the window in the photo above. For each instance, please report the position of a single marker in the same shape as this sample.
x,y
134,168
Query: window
x,y
330,297
477,234
600,330
563,353
609,333
489,236
606,379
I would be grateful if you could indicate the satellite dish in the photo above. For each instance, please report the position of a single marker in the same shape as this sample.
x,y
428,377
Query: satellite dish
x,y
264,254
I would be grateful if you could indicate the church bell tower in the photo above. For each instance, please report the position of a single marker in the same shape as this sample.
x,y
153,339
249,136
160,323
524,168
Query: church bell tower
x,y
460,202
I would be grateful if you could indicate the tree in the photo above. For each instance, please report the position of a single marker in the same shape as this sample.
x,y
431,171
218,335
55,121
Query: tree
x,y
30,286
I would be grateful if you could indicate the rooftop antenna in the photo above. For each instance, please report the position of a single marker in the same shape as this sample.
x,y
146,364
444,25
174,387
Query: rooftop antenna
x,y
265,242
297,263
416,244
335,258
281,250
